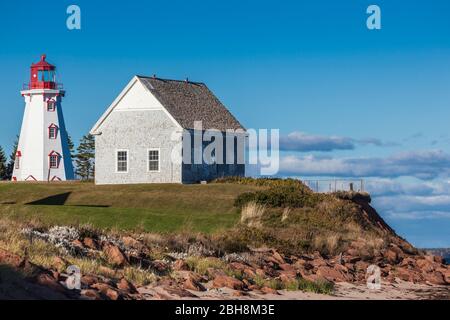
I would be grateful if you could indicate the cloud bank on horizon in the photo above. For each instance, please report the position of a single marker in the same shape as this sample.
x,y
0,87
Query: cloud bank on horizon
x,y
411,186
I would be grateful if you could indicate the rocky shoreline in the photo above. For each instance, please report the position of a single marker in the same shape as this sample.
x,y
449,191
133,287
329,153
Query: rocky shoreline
x,y
258,273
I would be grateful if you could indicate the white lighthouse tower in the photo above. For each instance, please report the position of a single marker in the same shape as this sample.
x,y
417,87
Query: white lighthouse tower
x,y
43,152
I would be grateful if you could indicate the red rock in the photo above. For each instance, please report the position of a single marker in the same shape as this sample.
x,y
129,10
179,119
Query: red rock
x,y
44,279
299,263
228,282
91,294
131,242
331,274
408,262
55,274
192,282
160,266
350,266
352,252
177,291
313,277
426,265
435,278
11,259
60,264
213,273
90,243
180,265
361,266
318,262
112,294
267,290
287,276
403,274
287,267
260,272
253,287
114,255
391,256
107,271
100,286
446,274
77,243
237,266
89,280
439,259
278,258
127,286
250,272
106,290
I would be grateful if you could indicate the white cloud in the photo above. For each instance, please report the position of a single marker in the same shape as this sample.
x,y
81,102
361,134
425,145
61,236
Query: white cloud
x,y
411,200
424,165
303,142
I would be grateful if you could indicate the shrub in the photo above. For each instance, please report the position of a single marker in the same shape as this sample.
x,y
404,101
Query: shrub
x,y
280,197
319,286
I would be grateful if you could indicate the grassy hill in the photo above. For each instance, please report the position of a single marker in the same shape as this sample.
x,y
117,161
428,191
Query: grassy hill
x,y
232,213
151,208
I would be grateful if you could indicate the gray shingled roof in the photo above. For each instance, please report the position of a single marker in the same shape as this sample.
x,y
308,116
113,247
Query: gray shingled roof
x,y
191,101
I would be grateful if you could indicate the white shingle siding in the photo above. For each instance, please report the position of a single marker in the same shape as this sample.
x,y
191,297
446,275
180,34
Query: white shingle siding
x,y
137,122
137,132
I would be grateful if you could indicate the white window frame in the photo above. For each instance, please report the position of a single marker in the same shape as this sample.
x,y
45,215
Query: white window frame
x,y
55,132
116,160
159,159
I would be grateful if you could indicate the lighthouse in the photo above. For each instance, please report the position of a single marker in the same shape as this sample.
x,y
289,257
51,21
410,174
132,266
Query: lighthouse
x,y
43,152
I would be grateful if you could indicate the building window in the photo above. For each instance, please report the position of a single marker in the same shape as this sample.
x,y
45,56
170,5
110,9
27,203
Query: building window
x,y
51,105
122,161
54,161
52,131
153,160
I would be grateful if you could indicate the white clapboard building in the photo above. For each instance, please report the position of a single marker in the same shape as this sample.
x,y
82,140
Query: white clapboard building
x,y
153,120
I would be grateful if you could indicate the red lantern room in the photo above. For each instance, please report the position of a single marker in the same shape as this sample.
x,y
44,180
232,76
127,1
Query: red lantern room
x,y
43,75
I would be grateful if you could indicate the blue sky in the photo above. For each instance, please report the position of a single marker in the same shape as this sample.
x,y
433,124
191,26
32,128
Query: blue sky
x,y
349,102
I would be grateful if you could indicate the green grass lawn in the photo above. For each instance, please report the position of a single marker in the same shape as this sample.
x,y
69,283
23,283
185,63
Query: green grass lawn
x,y
151,208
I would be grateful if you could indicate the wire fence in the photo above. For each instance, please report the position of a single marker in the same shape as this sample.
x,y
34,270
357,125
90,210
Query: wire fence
x,y
334,185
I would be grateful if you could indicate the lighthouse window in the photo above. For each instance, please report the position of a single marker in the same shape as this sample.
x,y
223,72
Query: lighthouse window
x,y
122,161
46,76
51,105
52,132
53,161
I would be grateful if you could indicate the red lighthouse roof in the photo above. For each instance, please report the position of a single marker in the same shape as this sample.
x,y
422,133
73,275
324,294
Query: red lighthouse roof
x,y
43,65
43,75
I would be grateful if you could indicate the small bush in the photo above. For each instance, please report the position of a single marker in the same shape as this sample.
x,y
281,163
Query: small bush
x,y
319,286
201,265
264,182
280,197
